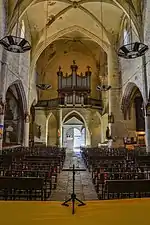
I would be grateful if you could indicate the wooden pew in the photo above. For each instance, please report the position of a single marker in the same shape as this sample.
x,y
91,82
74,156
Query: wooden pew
x,y
37,168
25,188
131,188
38,162
143,160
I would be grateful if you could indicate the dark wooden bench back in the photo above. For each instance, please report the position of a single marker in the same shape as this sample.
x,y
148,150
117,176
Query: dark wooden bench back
x,y
108,158
42,158
22,183
128,186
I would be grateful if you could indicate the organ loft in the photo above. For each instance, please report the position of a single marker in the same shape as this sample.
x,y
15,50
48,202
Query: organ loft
x,y
74,112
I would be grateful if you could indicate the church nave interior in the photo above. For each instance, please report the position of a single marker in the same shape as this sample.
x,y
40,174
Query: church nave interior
x,y
75,92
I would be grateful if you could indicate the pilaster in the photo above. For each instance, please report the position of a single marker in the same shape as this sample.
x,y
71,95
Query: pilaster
x,y
147,133
60,127
2,109
117,128
26,130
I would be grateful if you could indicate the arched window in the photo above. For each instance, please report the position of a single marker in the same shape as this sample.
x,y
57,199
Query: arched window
x,y
22,33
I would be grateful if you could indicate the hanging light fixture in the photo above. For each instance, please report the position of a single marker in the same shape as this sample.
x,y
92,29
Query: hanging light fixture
x,y
132,50
15,44
43,86
103,86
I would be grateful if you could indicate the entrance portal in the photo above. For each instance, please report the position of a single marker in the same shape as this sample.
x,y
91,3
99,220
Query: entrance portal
x,y
73,134
75,138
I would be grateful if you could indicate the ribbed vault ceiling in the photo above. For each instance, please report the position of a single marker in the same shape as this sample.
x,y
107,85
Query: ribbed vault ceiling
x,y
81,18
66,13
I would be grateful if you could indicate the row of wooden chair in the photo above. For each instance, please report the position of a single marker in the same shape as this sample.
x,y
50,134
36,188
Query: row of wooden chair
x,y
118,175
23,188
116,189
30,175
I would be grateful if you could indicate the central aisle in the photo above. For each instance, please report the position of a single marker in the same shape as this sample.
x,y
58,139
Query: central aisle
x,y
84,188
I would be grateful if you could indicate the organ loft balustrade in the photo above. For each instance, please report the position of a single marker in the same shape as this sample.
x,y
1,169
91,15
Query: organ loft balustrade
x,y
73,90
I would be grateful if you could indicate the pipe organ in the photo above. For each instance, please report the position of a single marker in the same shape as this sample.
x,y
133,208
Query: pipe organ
x,y
74,88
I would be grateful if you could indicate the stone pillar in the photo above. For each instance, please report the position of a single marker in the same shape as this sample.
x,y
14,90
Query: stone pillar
x,y
60,127
65,99
2,108
147,133
146,69
32,128
26,130
146,96
3,88
82,99
74,98
116,128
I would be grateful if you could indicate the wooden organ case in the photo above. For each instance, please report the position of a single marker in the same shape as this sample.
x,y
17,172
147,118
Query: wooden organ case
x,y
74,89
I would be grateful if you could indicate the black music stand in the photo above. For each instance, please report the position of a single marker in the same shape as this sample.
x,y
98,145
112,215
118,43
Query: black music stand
x,y
73,197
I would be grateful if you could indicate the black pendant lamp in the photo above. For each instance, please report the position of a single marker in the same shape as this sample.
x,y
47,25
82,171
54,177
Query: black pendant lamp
x,y
132,50
103,87
44,87
15,44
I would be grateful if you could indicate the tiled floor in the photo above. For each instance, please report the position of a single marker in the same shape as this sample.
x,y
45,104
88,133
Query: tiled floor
x,y
84,188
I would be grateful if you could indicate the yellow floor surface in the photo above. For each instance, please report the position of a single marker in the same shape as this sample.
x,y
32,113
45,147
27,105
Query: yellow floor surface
x,y
117,212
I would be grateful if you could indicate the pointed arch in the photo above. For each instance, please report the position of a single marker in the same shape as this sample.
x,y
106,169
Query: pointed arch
x,y
14,115
129,93
40,46
73,112
21,93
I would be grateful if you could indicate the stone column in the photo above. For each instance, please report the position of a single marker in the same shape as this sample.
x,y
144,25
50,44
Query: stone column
x,y
82,99
32,111
116,128
147,133
74,98
146,69
60,127
3,88
2,108
26,130
145,93
65,99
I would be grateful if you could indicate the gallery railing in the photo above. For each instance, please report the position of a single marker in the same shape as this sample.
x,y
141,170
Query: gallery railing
x,y
70,102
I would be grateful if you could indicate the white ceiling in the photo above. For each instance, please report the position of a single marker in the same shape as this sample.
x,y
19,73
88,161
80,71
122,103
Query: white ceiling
x,y
98,20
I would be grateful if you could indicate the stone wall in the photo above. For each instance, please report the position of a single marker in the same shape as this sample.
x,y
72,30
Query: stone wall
x,y
17,66
104,125
132,69
49,125
40,120
52,130
62,54
14,67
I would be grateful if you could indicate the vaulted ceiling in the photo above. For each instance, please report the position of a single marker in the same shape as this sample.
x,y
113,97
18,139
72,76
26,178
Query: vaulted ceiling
x,y
98,20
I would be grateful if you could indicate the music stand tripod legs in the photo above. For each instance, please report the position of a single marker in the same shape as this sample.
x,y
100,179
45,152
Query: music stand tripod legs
x,y
73,197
